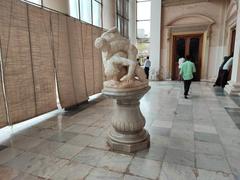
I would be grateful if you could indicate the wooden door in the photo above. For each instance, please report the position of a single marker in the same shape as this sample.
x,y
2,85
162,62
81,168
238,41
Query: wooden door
x,y
184,45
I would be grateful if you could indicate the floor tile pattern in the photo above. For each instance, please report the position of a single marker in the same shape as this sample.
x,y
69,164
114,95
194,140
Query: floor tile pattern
x,y
191,139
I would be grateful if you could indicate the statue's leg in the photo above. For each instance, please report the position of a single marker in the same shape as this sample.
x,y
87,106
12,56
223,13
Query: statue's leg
x,y
140,73
132,52
125,62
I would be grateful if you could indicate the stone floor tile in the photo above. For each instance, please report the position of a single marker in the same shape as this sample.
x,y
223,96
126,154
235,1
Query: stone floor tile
x,y
180,157
115,162
209,148
232,150
182,133
100,174
213,175
25,143
162,124
212,162
93,131
129,177
181,144
38,132
62,137
205,129
8,154
155,152
171,171
44,166
72,171
234,165
81,140
22,162
76,128
206,137
90,156
46,147
100,143
7,173
67,151
159,131
145,168
26,176
159,140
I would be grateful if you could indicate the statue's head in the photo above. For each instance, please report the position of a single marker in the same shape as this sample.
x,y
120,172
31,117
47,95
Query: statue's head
x,y
102,44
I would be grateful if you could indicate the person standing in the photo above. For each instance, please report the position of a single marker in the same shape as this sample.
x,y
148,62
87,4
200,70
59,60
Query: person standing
x,y
187,70
180,62
221,72
147,65
226,69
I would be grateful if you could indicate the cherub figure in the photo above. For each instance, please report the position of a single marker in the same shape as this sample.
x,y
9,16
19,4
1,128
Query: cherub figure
x,y
119,57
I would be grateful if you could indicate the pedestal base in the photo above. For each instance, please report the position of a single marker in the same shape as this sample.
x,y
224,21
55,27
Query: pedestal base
x,y
127,133
232,89
118,145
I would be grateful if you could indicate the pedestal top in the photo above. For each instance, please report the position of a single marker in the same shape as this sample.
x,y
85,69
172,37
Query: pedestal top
x,y
126,93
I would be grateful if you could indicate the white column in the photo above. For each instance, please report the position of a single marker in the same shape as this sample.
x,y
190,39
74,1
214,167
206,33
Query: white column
x,y
155,38
109,12
234,85
132,21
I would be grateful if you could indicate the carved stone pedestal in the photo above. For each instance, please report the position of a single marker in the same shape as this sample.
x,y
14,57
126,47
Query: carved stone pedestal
x,y
127,133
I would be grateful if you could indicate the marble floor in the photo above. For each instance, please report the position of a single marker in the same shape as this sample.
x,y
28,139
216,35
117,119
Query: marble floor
x,y
191,139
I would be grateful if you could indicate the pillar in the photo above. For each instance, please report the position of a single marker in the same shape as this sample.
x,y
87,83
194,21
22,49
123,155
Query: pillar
x,y
234,85
155,39
133,22
109,14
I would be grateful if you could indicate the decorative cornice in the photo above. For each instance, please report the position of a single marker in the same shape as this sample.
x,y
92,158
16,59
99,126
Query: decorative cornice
x,y
181,2
200,16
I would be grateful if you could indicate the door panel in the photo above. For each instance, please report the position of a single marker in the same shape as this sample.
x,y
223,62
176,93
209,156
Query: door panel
x,y
187,45
180,52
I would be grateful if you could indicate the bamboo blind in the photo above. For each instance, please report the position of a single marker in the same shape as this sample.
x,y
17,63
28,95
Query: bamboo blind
x,y
42,60
36,45
97,59
17,65
3,116
5,7
63,60
88,57
77,61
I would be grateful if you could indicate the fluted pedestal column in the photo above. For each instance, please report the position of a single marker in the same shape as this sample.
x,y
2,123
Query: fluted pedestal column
x,y
127,133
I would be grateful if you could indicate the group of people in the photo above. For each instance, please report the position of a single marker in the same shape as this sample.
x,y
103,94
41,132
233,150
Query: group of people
x,y
187,69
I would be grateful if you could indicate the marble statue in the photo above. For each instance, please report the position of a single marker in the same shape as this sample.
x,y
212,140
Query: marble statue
x,y
119,60
126,82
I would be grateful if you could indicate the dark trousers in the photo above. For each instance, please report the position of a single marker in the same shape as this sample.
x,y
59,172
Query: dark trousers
x,y
187,84
219,78
224,78
146,69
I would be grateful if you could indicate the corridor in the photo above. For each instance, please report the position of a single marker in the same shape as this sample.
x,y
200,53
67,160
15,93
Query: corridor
x,y
196,138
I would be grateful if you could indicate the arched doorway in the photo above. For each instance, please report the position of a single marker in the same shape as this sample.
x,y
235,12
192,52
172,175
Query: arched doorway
x,y
184,45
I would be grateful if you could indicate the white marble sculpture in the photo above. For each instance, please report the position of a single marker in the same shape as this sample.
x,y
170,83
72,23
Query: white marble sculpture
x,y
125,82
119,59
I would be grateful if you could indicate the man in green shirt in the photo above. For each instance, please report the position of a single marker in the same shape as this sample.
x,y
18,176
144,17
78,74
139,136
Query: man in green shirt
x,y
187,70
